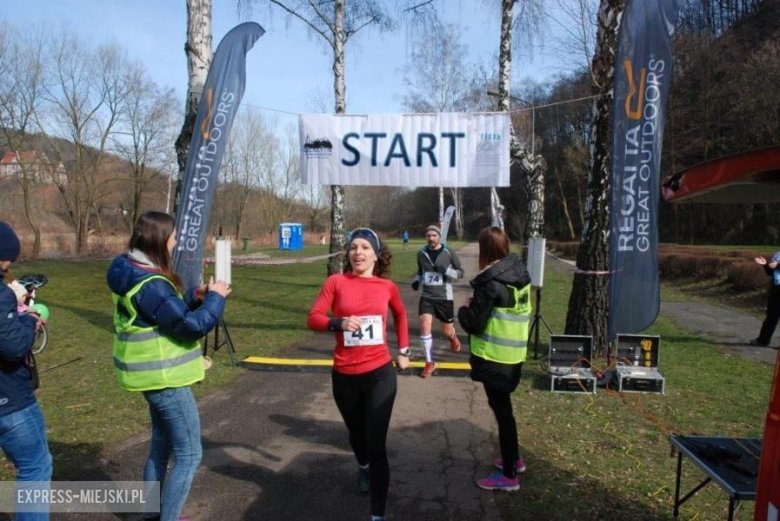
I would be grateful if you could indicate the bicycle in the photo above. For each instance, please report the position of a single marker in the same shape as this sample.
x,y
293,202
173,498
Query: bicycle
x,y
31,283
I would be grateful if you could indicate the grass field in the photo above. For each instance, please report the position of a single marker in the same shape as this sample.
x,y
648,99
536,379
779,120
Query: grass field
x,y
590,457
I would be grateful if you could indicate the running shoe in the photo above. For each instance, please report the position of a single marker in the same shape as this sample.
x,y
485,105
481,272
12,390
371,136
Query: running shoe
x,y
498,481
364,481
428,369
519,464
455,344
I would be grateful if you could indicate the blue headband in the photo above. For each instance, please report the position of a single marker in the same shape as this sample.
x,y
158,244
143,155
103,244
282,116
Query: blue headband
x,y
369,235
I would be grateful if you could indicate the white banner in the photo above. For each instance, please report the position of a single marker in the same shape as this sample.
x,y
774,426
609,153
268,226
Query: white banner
x,y
446,149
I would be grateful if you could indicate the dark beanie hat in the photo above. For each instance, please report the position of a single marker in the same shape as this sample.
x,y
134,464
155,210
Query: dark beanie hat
x,y
9,243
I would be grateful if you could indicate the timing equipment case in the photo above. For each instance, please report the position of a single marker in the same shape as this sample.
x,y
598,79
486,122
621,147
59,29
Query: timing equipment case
x,y
569,368
637,364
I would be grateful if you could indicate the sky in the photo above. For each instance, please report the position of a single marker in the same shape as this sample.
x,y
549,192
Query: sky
x,y
287,70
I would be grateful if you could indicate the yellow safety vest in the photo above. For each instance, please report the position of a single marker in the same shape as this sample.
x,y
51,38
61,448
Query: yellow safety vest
x,y
144,358
505,338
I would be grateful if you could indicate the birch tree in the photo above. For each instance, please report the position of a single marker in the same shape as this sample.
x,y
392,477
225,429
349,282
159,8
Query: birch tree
x,y
198,49
587,314
519,29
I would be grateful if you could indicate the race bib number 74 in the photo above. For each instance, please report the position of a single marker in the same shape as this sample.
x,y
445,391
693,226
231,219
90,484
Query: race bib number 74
x,y
371,333
433,278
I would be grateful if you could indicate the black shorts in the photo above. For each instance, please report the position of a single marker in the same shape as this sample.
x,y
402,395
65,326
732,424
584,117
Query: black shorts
x,y
444,310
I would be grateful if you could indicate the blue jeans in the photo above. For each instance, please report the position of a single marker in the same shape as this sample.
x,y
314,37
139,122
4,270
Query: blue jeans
x,y
175,432
23,439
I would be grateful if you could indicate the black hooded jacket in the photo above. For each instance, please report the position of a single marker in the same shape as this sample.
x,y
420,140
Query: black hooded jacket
x,y
490,290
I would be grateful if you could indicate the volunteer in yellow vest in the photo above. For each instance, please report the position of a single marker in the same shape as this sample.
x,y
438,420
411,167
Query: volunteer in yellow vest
x,y
497,320
156,351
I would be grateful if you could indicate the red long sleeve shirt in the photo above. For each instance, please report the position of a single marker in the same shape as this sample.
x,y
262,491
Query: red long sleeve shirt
x,y
366,297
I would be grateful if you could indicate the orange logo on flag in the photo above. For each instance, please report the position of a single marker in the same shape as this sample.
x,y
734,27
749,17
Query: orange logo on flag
x,y
204,127
632,91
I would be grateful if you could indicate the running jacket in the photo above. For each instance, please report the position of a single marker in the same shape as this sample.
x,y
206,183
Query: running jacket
x,y
17,335
158,303
433,287
348,294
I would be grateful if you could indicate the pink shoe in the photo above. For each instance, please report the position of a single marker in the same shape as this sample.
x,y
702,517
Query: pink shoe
x,y
519,464
498,481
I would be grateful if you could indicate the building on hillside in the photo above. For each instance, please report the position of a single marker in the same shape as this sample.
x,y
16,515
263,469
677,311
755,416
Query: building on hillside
x,y
37,165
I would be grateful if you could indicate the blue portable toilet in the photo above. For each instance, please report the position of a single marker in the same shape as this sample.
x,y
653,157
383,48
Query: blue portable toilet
x,y
291,236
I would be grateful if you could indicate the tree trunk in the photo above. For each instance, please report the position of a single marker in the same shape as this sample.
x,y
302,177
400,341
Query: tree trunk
x,y
457,197
199,54
505,55
28,215
337,225
566,214
441,206
534,223
587,314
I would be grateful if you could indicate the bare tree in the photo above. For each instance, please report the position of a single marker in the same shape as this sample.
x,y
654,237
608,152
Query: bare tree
x,y
572,39
143,137
280,177
88,91
587,314
439,78
314,199
21,96
246,157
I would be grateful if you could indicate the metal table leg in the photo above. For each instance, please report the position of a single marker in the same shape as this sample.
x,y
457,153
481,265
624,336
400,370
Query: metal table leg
x,y
677,485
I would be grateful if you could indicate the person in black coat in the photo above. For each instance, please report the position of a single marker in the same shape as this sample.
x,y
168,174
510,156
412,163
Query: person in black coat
x,y
773,301
499,273
22,429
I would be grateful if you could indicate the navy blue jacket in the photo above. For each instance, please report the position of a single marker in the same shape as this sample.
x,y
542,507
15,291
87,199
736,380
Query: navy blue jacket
x,y
158,304
17,334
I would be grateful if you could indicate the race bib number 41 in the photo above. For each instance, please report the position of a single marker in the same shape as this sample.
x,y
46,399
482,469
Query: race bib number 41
x,y
433,278
371,333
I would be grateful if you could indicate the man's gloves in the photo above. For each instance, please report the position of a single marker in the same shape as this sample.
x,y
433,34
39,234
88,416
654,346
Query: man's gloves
x,y
440,269
415,285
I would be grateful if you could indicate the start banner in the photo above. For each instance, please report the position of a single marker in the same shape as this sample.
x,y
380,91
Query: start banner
x,y
445,149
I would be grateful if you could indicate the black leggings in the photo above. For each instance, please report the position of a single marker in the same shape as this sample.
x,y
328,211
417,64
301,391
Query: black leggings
x,y
365,401
501,403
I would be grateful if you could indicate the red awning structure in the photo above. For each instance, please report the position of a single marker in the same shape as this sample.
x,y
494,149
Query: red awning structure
x,y
750,177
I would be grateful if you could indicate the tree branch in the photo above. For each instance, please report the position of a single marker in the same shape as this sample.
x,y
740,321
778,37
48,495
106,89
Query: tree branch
x,y
304,20
322,17
418,6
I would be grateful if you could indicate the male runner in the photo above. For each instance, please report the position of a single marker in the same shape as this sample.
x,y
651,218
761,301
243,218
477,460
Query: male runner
x,y
436,266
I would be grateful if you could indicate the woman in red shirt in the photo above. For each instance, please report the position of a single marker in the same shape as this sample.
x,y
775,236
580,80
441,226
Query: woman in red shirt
x,y
364,380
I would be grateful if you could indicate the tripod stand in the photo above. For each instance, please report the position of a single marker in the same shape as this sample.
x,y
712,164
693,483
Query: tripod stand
x,y
534,330
217,344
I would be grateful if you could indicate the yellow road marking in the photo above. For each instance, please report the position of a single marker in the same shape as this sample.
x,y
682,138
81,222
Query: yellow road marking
x,y
464,366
